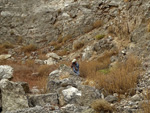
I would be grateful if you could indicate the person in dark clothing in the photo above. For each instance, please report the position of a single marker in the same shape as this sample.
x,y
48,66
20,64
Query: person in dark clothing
x,y
75,67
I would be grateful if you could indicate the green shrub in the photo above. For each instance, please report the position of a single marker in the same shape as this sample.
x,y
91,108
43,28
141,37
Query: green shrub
x,y
98,37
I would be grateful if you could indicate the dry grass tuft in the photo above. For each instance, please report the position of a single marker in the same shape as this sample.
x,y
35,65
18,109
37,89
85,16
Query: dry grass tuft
x,y
145,107
63,52
100,105
97,24
78,45
53,43
44,70
30,63
66,38
29,48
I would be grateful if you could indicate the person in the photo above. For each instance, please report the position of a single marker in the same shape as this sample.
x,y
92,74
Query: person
x,y
75,67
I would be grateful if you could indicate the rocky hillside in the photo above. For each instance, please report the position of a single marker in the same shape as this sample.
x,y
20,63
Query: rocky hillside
x,y
109,39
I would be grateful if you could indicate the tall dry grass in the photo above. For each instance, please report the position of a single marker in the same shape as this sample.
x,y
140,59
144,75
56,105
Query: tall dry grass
x,y
120,79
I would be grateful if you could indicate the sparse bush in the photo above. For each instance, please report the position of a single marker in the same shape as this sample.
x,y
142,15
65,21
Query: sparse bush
x,y
29,48
100,105
97,24
98,37
78,45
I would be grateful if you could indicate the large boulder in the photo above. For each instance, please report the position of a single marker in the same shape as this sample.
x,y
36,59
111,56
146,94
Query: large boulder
x,y
6,72
13,96
43,99
53,55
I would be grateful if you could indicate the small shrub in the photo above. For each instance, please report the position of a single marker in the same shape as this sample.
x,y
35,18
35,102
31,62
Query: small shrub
x,y
98,37
97,24
44,70
67,38
100,105
29,48
78,45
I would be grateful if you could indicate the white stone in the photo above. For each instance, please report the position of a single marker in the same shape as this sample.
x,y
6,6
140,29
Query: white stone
x,y
5,56
70,92
6,72
50,61
54,73
53,55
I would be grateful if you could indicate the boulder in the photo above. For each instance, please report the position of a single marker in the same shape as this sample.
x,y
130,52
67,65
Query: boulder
x,y
50,61
6,72
53,55
38,109
43,99
13,96
111,98
72,108
71,93
25,86
5,56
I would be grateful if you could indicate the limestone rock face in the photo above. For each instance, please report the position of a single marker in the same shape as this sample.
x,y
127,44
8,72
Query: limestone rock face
x,y
13,96
6,72
43,99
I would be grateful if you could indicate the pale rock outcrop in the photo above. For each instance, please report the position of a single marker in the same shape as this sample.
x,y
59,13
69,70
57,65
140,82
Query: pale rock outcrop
x,y
13,96
53,55
6,72
4,56
43,99
70,93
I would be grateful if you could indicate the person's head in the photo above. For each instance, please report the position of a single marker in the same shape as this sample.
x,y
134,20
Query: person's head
x,y
74,61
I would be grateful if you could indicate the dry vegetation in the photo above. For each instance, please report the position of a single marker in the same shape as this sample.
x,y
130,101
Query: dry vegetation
x,y
78,45
146,105
23,72
118,79
29,48
5,46
97,23
102,105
